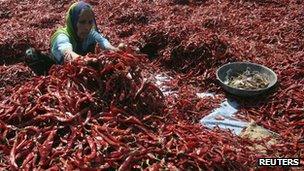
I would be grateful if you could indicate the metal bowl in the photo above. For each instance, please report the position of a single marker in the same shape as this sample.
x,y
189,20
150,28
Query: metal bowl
x,y
236,68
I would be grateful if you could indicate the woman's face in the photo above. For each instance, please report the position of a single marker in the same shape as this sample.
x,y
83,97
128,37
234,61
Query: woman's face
x,y
85,23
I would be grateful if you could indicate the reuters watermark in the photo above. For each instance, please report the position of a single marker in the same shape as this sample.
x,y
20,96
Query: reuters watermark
x,y
289,162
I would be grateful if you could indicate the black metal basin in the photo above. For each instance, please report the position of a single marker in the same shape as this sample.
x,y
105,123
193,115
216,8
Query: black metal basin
x,y
236,68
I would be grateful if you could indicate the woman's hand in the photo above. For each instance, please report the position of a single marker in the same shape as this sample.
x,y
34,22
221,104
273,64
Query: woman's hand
x,y
122,46
70,55
119,48
128,49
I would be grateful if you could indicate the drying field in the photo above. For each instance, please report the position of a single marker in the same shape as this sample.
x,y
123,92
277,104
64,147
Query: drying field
x,y
115,113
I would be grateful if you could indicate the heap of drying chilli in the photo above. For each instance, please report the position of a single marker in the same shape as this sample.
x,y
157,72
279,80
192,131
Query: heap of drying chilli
x,y
13,75
191,39
101,114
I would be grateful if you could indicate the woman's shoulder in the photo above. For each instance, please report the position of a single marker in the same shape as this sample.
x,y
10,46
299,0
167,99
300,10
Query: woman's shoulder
x,y
94,33
93,36
96,36
61,37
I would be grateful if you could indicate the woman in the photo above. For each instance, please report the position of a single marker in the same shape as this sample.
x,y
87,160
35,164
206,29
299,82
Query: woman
x,y
76,39
79,36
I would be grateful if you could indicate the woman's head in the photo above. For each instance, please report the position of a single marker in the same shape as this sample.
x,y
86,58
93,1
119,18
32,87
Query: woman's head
x,y
79,22
85,23
81,19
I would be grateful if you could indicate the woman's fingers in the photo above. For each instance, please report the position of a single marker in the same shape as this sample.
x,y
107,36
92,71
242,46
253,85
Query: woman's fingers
x,y
122,46
70,56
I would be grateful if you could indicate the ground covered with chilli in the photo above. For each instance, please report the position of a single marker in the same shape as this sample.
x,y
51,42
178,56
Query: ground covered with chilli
x,y
112,113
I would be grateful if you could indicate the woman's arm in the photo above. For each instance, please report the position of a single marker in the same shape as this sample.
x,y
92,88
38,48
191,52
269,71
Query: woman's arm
x,y
62,49
103,42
